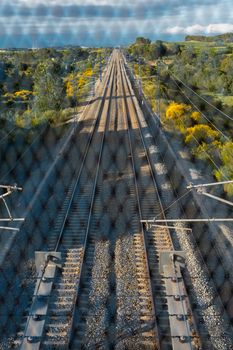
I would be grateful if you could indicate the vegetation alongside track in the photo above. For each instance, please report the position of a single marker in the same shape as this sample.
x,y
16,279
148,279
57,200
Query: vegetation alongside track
x,y
191,87
45,85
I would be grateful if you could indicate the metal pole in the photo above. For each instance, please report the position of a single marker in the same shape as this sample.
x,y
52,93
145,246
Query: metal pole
x,y
14,188
139,81
17,219
75,99
7,208
9,228
100,70
76,103
172,227
158,74
93,80
10,190
189,220
210,184
215,197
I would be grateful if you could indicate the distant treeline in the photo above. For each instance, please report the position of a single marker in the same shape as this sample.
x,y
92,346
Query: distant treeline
x,y
227,37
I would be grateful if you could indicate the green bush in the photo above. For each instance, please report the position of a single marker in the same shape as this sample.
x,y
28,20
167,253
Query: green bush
x,y
226,170
20,121
51,116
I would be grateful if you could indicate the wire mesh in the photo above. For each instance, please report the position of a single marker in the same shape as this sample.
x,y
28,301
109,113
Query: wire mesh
x,y
94,157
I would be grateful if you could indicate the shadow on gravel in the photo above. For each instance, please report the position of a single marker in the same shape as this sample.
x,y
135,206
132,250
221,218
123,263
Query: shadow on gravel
x,y
115,221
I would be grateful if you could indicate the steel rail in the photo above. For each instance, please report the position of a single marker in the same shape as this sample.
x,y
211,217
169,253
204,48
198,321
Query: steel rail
x,y
127,118
154,182
83,162
76,183
147,154
93,197
199,251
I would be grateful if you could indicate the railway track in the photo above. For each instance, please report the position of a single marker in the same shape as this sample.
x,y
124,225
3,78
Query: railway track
x,y
158,240
64,235
101,284
75,239
211,336
59,188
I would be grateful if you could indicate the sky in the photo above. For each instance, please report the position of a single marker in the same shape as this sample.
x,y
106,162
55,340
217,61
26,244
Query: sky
x,y
40,23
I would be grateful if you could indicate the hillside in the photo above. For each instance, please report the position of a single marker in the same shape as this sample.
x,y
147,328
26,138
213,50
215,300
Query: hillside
x,y
227,37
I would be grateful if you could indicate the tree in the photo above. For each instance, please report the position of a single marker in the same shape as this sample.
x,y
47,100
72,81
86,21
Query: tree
x,y
188,54
204,142
48,87
174,49
226,67
140,40
157,49
207,151
226,170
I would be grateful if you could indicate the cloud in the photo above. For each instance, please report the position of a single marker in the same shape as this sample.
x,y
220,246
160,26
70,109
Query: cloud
x,y
185,30
219,28
167,3
103,8
110,21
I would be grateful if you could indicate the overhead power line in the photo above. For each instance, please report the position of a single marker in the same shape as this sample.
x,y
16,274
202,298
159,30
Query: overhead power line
x,y
194,105
207,154
205,100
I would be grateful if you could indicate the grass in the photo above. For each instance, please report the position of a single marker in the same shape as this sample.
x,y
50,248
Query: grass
x,y
226,100
200,45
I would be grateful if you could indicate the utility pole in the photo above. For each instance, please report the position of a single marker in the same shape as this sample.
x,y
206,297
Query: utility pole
x,y
200,188
8,191
100,69
158,92
76,103
75,93
93,85
93,79
188,220
139,82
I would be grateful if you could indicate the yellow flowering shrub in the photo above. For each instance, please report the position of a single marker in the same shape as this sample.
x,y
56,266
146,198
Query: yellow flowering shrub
x,y
201,133
23,94
179,115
